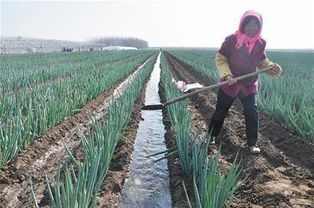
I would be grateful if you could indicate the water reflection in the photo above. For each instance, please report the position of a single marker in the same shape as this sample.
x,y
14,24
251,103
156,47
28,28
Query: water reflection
x,y
148,181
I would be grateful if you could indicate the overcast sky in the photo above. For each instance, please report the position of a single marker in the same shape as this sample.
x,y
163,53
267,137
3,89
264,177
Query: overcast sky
x,y
287,24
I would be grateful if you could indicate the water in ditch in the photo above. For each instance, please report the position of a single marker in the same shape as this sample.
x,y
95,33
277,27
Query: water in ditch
x,y
148,181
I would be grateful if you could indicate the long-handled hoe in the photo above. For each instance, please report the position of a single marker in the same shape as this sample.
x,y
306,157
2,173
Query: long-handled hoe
x,y
163,105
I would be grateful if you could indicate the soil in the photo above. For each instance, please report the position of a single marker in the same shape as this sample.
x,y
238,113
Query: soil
x,y
281,176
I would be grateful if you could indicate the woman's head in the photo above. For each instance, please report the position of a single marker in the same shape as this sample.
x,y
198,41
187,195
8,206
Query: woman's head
x,y
249,30
251,23
250,26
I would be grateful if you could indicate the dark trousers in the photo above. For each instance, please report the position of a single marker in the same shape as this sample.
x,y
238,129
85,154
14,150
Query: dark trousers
x,y
223,105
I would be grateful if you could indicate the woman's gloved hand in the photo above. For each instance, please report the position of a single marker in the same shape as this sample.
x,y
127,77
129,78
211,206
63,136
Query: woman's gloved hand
x,y
230,79
275,71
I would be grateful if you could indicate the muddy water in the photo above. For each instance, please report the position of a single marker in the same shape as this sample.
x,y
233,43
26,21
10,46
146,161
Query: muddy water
x,y
148,181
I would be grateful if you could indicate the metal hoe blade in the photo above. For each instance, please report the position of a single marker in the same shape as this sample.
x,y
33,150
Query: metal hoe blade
x,y
153,107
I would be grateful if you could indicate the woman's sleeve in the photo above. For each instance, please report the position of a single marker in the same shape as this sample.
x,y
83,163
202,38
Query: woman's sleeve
x,y
265,62
222,65
225,48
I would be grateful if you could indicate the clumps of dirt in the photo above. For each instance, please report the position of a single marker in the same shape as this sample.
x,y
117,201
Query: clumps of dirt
x,y
300,151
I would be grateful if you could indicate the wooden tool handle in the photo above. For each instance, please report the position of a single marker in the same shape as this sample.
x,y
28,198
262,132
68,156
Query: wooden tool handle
x,y
216,85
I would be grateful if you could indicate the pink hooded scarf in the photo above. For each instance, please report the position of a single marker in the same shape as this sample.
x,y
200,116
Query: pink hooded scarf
x,y
242,38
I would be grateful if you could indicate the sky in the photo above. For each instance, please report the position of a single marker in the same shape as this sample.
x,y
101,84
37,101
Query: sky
x,y
288,24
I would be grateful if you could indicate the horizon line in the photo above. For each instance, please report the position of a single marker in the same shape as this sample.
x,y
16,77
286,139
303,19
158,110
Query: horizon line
x,y
2,38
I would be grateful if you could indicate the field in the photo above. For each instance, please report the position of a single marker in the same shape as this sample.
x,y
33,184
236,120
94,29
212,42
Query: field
x,y
70,123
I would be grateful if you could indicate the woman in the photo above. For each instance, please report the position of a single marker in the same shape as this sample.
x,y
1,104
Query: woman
x,y
241,53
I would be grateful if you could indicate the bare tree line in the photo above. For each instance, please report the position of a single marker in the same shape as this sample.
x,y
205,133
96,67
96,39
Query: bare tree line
x,y
119,41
